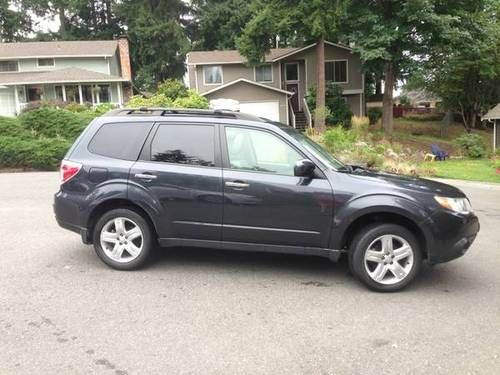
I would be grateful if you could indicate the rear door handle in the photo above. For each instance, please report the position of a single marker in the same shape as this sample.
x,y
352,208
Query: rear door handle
x,y
237,184
145,176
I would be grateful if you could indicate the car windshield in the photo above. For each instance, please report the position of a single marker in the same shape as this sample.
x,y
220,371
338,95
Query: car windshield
x,y
315,149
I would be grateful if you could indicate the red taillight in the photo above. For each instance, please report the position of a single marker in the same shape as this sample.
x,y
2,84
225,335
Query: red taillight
x,y
68,170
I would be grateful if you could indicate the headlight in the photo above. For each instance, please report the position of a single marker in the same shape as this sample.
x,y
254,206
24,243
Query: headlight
x,y
460,205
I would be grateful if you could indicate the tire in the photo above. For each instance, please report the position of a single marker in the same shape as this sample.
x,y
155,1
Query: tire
x,y
385,257
127,251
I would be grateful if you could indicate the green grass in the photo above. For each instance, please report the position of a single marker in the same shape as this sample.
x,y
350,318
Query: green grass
x,y
466,169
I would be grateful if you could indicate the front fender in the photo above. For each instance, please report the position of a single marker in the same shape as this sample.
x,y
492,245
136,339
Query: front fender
x,y
364,205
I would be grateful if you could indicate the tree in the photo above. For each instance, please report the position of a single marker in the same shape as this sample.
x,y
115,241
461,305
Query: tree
x,y
465,73
14,21
220,22
395,35
158,39
296,22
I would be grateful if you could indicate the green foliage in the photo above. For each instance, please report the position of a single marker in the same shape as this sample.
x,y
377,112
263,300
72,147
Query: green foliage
x,y
103,108
338,111
43,154
172,88
424,116
374,114
338,139
53,122
76,107
11,127
471,145
193,100
157,100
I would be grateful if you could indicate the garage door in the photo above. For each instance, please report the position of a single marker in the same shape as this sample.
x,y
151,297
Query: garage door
x,y
269,110
7,104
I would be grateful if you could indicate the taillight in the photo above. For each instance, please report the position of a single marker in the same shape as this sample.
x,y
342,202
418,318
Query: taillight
x,y
68,170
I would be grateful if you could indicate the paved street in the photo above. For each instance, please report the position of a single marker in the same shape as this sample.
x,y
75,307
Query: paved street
x,y
193,311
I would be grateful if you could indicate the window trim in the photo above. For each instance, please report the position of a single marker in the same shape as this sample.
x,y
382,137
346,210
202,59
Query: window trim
x,y
205,78
146,152
262,65
226,164
45,66
10,71
346,70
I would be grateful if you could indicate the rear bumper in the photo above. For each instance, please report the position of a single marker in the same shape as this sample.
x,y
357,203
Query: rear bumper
x,y
453,235
66,211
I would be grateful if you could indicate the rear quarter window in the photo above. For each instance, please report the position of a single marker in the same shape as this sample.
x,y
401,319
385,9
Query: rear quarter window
x,y
120,140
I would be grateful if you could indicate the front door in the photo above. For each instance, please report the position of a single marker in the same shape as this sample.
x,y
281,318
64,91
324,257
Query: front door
x,y
292,78
179,171
294,99
263,201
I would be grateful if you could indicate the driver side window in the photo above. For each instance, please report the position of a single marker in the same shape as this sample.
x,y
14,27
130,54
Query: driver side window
x,y
256,150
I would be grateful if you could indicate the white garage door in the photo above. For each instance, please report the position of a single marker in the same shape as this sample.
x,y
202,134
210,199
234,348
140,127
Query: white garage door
x,y
269,110
7,103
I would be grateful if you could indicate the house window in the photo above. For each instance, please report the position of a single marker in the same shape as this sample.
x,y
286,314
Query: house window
x,y
59,93
87,96
336,71
72,94
104,94
292,72
35,93
45,62
212,74
9,66
264,73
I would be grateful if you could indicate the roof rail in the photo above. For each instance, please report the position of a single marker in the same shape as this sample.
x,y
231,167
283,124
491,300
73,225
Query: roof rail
x,y
146,111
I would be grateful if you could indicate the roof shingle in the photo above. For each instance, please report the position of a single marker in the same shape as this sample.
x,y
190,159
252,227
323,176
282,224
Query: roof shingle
x,y
231,56
57,76
58,49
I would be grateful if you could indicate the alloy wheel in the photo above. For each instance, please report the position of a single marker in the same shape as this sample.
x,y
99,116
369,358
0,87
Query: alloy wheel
x,y
121,239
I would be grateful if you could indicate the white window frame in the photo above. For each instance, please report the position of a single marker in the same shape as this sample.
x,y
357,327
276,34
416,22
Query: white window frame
x,y
346,70
221,75
10,71
45,66
262,65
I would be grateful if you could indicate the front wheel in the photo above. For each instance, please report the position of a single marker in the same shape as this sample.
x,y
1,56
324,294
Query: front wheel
x,y
122,239
385,257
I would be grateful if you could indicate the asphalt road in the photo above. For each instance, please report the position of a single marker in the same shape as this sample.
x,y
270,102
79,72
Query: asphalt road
x,y
211,312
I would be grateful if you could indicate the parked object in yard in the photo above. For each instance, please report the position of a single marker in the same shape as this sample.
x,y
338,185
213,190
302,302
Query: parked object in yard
x,y
230,180
440,154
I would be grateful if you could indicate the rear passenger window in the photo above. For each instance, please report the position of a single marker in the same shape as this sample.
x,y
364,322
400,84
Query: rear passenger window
x,y
120,140
184,144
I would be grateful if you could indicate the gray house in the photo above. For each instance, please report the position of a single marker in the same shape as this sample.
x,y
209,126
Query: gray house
x,y
276,89
91,72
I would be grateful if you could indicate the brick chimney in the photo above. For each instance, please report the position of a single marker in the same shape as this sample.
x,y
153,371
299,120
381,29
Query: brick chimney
x,y
124,53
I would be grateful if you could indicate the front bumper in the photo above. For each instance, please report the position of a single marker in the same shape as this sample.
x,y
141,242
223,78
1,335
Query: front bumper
x,y
453,235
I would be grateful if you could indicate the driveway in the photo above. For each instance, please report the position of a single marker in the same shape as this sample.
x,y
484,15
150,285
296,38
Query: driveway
x,y
213,312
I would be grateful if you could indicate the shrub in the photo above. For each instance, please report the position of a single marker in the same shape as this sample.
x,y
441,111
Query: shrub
x,y
77,107
338,139
339,111
11,127
424,116
44,154
374,114
157,100
471,145
103,108
193,100
173,89
52,122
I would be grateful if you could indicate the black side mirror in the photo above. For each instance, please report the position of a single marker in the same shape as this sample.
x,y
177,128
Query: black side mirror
x,y
304,168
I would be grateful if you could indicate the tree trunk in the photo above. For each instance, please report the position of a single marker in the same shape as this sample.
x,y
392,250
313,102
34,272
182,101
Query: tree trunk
x,y
388,103
62,22
319,118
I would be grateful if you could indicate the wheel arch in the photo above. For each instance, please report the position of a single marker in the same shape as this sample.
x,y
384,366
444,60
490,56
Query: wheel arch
x,y
112,204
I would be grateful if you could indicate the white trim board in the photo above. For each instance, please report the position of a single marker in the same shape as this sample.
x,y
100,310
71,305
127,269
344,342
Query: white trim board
x,y
246,81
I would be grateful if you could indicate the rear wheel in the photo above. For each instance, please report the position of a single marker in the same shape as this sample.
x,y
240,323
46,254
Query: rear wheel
x,y
385,257
122,239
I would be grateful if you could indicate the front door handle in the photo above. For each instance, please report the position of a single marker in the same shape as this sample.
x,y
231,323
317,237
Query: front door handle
x,y
145,176
237,184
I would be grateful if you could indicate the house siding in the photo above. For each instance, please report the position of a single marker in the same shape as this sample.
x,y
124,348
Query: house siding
x,y
96,64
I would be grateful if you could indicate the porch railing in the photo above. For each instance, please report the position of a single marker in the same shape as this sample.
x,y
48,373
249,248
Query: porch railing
x,y
291,114
307,113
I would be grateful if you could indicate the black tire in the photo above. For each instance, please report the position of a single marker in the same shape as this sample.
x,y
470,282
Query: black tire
x,y
364,238
147,239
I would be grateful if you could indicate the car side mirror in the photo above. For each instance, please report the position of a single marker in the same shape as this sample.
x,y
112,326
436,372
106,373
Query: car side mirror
x,y
304,168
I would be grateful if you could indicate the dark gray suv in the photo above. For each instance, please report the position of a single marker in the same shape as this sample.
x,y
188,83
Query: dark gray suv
x,y
220,179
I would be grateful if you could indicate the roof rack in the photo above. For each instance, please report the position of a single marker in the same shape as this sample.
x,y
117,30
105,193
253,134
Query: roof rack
x,y
144,111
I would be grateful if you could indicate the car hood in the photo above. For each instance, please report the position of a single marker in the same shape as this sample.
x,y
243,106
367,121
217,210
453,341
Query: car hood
x,y
407,182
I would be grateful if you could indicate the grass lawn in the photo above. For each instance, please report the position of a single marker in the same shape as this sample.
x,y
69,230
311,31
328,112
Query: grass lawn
x,y
466,169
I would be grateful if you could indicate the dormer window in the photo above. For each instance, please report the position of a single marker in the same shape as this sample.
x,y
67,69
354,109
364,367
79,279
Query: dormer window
x,y
9,66
46,63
